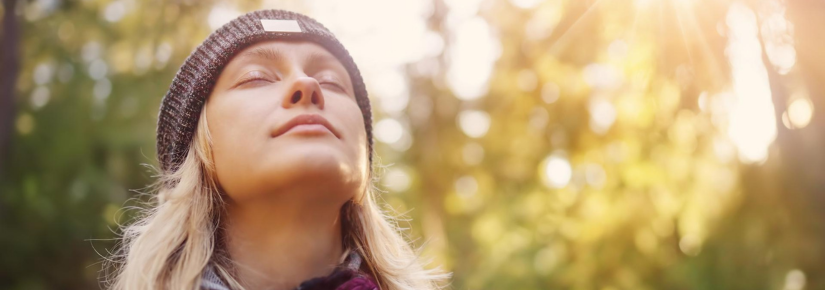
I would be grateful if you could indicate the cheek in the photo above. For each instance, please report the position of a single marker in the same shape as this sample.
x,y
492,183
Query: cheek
x,y
353,122
236,124
237,136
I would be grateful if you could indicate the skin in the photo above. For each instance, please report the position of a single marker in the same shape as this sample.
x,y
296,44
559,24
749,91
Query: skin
x,y
284,193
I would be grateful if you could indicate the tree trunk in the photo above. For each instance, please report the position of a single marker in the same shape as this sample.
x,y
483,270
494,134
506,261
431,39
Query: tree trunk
x,y
10,64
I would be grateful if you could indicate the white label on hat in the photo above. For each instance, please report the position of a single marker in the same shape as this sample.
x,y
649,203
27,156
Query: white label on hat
x,y
280,25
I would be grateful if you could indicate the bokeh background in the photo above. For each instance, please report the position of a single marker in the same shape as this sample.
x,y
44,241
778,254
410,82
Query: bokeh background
x,y
560,144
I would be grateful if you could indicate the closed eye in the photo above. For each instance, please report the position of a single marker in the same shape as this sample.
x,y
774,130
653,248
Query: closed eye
x,y
332,80
336,85
252,78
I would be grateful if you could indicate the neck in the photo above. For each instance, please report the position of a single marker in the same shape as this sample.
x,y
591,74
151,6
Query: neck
x,y
279,244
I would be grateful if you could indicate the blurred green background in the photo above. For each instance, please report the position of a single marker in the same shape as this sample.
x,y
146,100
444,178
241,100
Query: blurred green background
x,y
560,144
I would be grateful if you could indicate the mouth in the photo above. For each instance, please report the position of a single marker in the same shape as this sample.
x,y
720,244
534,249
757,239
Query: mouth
x,y
307,123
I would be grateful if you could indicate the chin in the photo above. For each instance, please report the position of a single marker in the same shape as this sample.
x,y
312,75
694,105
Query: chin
x,y
314,170
312,158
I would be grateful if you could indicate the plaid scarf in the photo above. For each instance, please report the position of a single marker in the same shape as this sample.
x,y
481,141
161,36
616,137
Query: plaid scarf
x,y
346,276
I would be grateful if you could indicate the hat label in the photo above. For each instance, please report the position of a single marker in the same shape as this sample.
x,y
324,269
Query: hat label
x,y
280,25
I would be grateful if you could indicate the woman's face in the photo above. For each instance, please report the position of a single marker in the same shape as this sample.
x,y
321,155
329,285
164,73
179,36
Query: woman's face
x,y
258,115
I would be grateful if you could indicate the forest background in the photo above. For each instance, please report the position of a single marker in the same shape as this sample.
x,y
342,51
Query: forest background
x,y
559,144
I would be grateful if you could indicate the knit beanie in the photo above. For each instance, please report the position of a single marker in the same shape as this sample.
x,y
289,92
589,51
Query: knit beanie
x,y
181,107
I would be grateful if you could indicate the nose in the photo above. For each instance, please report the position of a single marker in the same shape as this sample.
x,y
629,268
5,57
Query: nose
x,y
305,91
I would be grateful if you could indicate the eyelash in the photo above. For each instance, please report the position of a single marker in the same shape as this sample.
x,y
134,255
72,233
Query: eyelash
x,y
260,78
254,77
337,85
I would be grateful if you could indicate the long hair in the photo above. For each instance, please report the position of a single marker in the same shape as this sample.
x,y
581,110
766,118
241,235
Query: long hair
x,y
178,234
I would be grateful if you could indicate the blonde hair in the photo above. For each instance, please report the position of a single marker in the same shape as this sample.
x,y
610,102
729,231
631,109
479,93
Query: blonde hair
x,y
178,234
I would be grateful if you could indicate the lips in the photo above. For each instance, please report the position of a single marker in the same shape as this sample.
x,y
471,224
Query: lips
x,y
306,119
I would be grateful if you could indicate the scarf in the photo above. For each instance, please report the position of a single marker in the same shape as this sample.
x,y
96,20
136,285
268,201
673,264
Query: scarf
x,y
346,276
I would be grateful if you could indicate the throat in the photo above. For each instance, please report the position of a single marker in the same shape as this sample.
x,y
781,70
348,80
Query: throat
x,y
280,248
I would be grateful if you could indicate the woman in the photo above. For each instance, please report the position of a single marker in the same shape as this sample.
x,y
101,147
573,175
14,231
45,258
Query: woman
x,y
265,146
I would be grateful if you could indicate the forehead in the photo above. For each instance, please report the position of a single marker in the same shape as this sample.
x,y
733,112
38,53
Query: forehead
x,y
286,51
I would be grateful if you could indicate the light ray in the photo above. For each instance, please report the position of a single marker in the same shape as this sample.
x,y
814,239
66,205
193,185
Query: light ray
x,y
661,37
684,36
705,49
635,26
561,39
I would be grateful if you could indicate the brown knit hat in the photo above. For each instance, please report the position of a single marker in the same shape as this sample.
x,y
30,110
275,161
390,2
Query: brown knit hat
x,y
181,107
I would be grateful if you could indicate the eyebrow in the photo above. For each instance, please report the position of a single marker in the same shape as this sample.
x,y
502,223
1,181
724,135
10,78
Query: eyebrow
x,y
277,56
316,58
265,53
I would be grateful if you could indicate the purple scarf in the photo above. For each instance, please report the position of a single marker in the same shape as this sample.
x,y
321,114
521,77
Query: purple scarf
x,y
346,276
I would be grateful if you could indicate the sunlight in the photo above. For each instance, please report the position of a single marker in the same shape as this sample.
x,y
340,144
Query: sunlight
x,y
525,4
472,56
556,171
390,89
474,123
777,34
221,14
512,144
799,114
560,41
396,179
752,125
466,186
642,4
684,2
648,3
795,280
397,36
602,115
689,25
388,131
